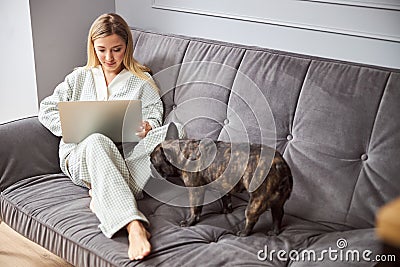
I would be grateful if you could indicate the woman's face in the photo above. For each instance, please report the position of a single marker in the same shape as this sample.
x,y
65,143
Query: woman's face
x,y
110,51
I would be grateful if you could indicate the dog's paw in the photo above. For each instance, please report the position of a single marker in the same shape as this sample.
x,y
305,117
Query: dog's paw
x,y
242,233
273,233
227,210
184,223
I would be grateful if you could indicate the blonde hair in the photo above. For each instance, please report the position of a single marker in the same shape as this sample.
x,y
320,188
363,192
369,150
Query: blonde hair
x,y
106,25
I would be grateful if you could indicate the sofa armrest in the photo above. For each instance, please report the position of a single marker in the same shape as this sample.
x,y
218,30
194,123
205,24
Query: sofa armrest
x,y
27,149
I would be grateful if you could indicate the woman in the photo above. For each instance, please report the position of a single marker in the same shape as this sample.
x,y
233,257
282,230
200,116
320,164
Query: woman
x,y
95,163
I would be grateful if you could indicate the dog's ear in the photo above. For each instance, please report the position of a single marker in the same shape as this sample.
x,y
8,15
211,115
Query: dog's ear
x,y
172,132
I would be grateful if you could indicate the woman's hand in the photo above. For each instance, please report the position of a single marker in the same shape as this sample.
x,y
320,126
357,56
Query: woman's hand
x,y
144,129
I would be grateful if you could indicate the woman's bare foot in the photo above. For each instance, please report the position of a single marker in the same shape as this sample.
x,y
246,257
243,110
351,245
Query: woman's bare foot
x,y
139,245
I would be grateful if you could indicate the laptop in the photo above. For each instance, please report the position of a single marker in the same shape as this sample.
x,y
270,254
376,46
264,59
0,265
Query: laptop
x,y
117,119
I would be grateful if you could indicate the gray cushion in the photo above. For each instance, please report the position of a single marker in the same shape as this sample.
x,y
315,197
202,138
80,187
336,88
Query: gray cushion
x,y
203,88
332,128
21,156
165,72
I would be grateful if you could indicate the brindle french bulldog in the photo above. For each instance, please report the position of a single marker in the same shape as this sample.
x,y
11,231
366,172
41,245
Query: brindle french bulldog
x,y
235,167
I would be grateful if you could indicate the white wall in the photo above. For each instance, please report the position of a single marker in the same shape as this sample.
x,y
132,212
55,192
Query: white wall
x,y
42,41
365,31
17,70
60,30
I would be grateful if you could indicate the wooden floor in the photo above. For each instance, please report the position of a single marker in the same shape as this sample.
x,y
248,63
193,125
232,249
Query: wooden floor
x,y
17,251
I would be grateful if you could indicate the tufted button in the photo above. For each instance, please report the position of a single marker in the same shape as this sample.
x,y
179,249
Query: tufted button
x,y
173,107
364,157
226,121
289,137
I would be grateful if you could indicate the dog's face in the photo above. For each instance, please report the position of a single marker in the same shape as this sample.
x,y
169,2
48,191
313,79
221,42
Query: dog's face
x,y
160,162
175,157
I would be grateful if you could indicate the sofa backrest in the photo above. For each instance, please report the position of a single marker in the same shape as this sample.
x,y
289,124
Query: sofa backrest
x,y
337,123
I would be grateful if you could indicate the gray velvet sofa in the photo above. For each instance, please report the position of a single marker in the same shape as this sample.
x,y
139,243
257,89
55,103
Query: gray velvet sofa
x,y
336,123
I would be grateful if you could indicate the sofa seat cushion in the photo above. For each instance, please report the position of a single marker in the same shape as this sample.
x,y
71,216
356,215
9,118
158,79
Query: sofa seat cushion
x,y
53,212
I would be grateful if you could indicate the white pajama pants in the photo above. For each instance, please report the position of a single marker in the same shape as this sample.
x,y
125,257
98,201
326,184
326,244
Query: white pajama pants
x,y
97,162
